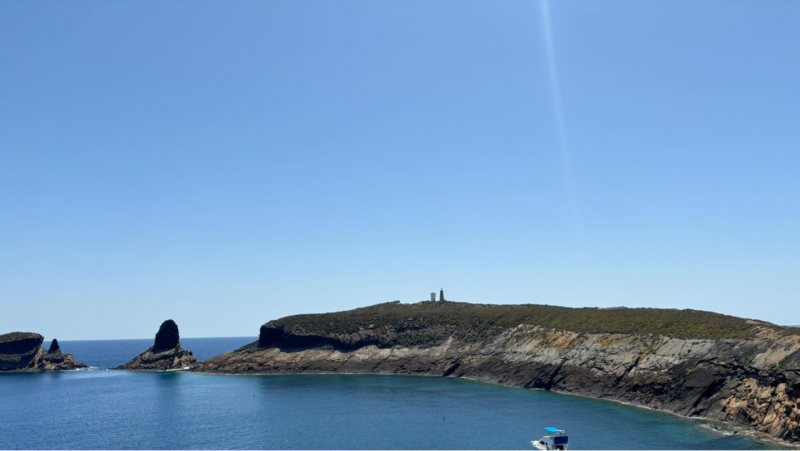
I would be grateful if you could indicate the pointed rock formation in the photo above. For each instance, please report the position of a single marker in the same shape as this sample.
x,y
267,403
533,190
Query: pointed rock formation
x,y
54,347
165,354
167,337
22,351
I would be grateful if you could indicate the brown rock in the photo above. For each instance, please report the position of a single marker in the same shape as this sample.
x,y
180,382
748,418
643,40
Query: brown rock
x,y
22,351
166,353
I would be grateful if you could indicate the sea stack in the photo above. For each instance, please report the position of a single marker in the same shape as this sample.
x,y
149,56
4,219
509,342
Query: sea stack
x,y
23,351
165,354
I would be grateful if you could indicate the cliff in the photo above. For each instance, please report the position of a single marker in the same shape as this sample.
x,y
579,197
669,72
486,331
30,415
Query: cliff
x,y
22,351
165,354
692,363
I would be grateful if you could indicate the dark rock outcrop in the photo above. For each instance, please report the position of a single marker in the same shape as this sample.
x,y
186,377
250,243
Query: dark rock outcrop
x,y
165,354
695,364
22,351
54,347
167,337
18,350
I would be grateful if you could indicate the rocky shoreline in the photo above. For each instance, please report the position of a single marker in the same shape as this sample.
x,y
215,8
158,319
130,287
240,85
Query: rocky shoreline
x,y
166,353
23,352
743,373
750,381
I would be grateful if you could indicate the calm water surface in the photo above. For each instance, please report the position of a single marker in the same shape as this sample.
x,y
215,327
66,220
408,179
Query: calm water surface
x,y
125,410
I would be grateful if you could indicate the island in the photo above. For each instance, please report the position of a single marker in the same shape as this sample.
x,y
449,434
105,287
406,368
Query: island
x,y
691,363
23,352
166,353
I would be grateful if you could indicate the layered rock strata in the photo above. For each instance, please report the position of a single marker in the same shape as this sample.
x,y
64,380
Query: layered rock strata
x,y
166,353
23,351
694,364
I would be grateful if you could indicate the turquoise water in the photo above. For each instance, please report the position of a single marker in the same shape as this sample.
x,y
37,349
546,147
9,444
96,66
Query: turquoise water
x,y
125,410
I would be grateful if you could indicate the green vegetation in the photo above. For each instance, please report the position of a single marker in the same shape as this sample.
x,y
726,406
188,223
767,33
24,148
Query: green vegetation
x,y
426,322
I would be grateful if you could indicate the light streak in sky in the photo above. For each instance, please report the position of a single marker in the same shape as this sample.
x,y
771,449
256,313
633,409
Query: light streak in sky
x,y
561,127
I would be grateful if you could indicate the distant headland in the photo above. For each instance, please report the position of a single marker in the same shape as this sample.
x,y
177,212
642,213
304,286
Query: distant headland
x,y
692,363
689,362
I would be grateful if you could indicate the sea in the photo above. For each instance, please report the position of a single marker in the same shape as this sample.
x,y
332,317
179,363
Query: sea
x,y
102,409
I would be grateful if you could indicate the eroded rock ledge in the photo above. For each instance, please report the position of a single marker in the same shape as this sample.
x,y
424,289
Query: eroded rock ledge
x,y
23,351
165,354
695,364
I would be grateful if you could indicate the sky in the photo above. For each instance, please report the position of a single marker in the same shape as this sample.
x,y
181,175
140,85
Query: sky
x,y
224,164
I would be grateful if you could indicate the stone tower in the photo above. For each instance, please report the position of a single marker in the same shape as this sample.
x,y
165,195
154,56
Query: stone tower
x,y
441,295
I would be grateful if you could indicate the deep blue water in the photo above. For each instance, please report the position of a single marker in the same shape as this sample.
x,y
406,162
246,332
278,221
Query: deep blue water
x,y
100,409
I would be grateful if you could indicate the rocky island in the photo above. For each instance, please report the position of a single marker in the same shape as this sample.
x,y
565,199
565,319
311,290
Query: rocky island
x,y
23,352
688,362
165,354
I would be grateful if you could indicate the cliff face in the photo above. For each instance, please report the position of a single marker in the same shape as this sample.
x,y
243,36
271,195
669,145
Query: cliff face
x,y
165,354
734,370
22,351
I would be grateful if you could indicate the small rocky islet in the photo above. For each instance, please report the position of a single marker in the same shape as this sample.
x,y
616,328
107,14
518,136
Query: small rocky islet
x,y
23,352
166,353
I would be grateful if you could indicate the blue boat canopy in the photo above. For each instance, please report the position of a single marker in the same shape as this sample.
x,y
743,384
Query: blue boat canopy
x,y
551,429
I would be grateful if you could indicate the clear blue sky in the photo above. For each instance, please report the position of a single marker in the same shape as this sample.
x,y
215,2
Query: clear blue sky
x,y
228,163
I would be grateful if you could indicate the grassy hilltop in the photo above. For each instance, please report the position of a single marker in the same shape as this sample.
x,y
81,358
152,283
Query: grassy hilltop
x,y
482,320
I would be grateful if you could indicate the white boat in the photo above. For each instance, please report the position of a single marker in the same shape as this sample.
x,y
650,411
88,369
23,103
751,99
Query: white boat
x,y
555,439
